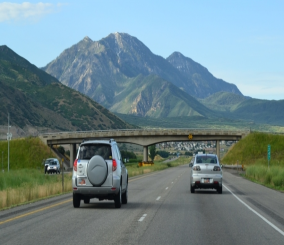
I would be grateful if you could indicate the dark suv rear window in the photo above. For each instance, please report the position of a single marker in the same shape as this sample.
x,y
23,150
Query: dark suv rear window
x,y
87,151
206,159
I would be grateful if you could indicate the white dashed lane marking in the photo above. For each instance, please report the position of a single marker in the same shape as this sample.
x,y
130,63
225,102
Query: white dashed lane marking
x,y
158,198
143,217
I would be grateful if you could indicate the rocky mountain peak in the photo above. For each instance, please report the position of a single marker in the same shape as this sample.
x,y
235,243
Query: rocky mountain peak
x,y
87,39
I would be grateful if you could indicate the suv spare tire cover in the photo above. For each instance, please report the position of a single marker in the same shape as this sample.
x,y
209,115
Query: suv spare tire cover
x,y
97,170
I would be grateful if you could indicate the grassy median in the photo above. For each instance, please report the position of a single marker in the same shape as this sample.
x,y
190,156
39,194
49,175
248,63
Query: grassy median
x,y
133,168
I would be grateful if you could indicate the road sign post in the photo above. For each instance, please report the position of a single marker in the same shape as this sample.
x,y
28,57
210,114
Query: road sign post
x,y
268,154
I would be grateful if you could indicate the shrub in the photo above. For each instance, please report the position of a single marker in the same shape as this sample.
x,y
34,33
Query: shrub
x,y
277,180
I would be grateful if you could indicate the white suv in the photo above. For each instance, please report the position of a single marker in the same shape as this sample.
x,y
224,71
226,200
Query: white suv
x,y
99,172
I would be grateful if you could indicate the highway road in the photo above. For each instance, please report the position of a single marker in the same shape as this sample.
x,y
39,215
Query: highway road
x,y
161,210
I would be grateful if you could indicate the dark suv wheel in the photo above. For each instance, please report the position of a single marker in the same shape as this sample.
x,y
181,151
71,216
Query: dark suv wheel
x,y
76,200
220,190
125,195
117,199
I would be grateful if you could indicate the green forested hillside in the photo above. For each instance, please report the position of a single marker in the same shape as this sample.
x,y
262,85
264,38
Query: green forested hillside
x,y
223,101
151,96
35,98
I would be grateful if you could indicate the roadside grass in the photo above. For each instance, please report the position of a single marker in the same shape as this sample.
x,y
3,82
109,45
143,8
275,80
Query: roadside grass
x,y
272,177
253,150
252,153
28,185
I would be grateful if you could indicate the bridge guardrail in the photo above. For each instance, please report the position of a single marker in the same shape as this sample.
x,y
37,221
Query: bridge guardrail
x,y
241,167
246,131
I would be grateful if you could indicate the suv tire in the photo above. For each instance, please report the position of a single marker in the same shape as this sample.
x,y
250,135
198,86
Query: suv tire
x,y
125,195
192,189
117,199
219,190
76,200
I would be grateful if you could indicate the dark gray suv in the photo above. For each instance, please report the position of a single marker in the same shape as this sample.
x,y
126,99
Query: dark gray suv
x,y
99,172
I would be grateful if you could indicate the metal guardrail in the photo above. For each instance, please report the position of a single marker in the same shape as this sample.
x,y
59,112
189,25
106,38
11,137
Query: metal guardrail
x,y
233,166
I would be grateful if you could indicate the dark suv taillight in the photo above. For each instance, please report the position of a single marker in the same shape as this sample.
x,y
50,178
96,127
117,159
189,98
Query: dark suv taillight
x,y
75,165
114,165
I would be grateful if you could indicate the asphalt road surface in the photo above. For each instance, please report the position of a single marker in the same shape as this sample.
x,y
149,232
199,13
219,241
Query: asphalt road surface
x,y
161,210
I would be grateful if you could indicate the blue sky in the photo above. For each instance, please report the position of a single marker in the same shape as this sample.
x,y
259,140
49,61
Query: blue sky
x,y
241,42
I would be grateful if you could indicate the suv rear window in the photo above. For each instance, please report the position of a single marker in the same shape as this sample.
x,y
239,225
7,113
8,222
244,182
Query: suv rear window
x,y
206,159
87,151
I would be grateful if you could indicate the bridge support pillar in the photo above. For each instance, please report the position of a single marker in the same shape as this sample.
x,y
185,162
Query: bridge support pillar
x,y
218,149
72,154
145,153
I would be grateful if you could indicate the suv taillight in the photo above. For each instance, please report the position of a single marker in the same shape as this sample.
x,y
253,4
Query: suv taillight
x,y
75,165
114,165
196,168
216,168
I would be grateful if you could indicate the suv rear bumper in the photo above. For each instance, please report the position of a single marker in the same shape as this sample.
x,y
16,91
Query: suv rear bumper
x,y
97,192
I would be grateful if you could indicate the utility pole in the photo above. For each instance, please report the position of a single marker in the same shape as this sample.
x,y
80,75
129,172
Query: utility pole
x,y
9,136
2,162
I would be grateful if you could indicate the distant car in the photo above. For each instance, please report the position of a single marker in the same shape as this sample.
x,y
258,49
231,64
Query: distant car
x,y
47,162
53,166
191,162
99,172
206,173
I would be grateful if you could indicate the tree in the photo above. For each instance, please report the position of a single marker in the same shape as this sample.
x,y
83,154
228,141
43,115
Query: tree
x,y
153,152
163,154
61,150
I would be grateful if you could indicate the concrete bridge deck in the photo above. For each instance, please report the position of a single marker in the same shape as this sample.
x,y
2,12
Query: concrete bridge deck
x,y
143,137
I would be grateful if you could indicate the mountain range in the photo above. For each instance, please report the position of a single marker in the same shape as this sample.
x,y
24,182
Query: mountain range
x,y
118,82
123,75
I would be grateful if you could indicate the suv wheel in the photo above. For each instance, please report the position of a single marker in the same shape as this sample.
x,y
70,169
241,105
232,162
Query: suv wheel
x,y
76,200
192,189
125,195
219,190
117,199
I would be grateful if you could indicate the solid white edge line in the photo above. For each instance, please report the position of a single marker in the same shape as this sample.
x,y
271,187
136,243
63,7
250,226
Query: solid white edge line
x,y
259,215
167,188
158,198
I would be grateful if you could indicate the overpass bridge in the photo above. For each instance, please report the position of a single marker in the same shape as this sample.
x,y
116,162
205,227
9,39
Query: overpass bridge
x,y
143,137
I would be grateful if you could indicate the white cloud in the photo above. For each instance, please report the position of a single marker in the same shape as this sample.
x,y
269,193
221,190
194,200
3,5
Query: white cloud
x,y
24,11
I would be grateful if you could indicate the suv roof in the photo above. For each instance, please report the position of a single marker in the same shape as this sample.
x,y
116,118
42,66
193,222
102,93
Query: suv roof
x,y
105,141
